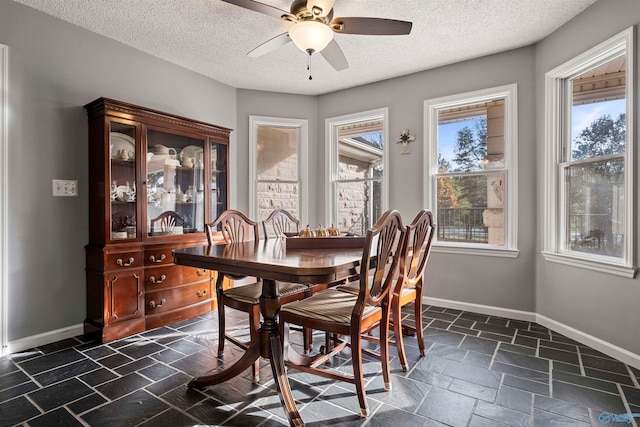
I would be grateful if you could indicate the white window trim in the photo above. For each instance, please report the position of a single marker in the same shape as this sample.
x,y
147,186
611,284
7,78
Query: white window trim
x,y
431,106
331,135
554,96
303,164
4,197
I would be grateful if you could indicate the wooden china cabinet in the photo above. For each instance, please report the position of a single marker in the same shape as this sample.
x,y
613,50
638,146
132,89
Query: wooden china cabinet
x,y
155,179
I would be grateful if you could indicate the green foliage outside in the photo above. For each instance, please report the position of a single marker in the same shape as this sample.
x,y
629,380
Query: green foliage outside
x,y
596,189
464,197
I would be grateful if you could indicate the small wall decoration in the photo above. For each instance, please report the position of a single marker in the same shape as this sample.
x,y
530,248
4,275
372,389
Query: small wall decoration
x,y
405,138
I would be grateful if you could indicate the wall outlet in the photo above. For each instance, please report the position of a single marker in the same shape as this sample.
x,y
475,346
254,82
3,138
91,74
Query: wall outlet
x,y
65,187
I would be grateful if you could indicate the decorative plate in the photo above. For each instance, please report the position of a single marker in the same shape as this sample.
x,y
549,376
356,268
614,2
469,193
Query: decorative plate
x,y
120,141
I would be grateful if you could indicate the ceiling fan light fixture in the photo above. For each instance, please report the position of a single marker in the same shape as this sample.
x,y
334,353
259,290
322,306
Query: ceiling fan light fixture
x,y
311,36
320,7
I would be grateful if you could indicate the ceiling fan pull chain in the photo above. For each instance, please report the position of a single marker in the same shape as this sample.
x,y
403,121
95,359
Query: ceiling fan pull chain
x,y
309,63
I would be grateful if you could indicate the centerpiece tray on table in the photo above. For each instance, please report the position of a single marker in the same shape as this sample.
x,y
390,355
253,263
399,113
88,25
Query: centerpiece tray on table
x,y
294,241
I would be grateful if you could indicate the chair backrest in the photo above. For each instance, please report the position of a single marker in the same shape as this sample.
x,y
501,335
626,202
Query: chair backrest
x,y
380,258
167,220
415,254
235,226
281,221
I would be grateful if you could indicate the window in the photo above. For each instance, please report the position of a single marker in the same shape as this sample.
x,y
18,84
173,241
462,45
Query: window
x,y
278,166
589,160
469,180
357,162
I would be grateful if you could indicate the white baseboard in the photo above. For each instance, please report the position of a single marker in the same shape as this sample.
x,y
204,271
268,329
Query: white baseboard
x,y
526,316
596,343
601,345
44,338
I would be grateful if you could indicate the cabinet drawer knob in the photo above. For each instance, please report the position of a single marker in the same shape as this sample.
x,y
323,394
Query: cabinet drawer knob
x,y
153,304
152,258
160,279
201,272
201,294
123,263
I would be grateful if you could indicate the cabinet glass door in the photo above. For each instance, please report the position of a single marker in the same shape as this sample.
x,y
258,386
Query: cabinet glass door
x,y
122,172
218,179
175,184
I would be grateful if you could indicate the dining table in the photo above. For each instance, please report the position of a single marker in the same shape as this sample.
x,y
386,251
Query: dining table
x,y
270,261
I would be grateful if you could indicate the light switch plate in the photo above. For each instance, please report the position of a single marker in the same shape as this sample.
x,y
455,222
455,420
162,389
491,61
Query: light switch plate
x,y
65,187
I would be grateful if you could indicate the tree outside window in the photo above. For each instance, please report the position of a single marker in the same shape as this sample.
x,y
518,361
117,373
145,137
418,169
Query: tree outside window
x,y
595,175
466,194
589,185
469,179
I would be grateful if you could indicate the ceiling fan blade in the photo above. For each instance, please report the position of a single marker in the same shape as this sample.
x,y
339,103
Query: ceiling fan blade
x,y
270,45
323,7
335,56
259,7
371,26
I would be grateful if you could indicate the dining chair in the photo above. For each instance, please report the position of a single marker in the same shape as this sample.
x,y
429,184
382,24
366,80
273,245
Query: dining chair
x,y
166,222
237,227
346,314
408,287
278,222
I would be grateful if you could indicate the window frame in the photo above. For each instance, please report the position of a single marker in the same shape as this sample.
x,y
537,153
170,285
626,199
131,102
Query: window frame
x,y
332,124
557,136
303,159
4,199
431,108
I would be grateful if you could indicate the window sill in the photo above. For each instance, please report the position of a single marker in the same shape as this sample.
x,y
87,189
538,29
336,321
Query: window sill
x,y
493,251
602,267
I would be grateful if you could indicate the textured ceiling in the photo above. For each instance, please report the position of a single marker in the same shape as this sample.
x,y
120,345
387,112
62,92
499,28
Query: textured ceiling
x,y
212,37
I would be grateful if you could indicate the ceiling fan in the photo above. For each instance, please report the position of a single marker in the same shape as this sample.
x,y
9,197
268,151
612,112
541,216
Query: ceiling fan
x,y
313,27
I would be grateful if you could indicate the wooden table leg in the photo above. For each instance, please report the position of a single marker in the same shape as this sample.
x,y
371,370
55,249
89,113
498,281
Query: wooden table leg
x,y
272,348
251,355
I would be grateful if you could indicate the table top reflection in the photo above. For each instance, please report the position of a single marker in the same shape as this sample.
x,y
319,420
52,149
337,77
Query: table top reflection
x,y
270,259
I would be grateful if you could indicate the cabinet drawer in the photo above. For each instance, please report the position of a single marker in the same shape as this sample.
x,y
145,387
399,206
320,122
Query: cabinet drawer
x,y
121,260
158,256
171,275
157,302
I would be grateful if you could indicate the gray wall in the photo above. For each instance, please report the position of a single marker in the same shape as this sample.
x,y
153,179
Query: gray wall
x,y
601,305
500,282
54,69
272,104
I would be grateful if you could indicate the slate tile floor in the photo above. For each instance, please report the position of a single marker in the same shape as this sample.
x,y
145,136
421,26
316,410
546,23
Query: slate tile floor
x,y
479,371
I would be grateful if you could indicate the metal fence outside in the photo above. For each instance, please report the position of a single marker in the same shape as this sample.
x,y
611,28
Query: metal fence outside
x,y
462,225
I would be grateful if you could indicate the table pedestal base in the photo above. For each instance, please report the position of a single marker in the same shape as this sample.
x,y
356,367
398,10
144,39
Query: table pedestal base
x,y
268,345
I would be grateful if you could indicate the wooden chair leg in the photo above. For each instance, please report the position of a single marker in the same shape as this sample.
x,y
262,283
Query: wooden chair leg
x,y
384,349
358,375
418,316
397,332
307,339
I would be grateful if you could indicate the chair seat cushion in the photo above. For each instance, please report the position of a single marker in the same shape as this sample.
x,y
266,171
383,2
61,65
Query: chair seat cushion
x,y
354,288
408,291
250,293
351,287
329,305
